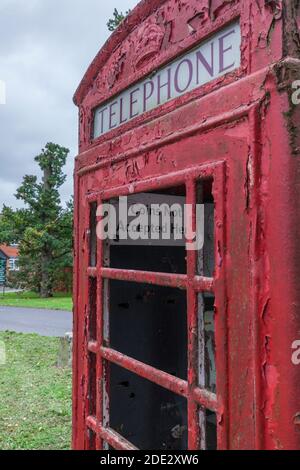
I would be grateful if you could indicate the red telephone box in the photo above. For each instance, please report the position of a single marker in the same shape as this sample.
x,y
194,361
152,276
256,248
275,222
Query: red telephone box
x,y
186,349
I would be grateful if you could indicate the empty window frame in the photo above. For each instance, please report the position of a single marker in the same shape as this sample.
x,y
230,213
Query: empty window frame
x,y
198,424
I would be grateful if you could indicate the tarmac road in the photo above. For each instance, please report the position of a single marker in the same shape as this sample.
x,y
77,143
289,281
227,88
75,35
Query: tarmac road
x,y
42,322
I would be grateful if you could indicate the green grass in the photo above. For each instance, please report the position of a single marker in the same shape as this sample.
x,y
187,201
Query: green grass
x,y
32,300
35,395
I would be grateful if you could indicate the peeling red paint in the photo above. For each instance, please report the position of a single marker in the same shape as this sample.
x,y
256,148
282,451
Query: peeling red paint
x,y
242,130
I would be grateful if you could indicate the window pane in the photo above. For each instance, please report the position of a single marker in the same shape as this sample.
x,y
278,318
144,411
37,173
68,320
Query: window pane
x,y
210,345
206,257
166,259
207,346
147,415
149,323
211,430
93,309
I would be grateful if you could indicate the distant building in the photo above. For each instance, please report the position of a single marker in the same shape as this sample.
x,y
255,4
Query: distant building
x,y
11,253
3,268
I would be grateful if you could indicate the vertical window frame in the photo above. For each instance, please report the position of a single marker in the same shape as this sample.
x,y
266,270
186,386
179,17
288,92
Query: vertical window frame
x,y
198,398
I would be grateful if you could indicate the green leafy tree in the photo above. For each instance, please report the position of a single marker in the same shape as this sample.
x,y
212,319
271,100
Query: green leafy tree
x,y
43,228
118,17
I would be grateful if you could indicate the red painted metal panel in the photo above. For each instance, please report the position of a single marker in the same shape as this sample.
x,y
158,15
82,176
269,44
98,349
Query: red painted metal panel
x,y
241,131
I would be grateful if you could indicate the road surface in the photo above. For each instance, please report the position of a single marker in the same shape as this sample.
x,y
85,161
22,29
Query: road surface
x,y
42,322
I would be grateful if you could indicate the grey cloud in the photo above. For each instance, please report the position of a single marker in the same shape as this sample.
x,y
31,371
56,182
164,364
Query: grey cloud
x,y
45,48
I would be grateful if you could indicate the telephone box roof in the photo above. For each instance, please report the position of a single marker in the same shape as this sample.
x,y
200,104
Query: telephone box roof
x,y
136,16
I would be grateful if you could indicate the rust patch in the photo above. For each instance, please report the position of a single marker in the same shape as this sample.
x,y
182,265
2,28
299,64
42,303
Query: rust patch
x,y
291,39
275,6
286,73
297,419
218,5
197,21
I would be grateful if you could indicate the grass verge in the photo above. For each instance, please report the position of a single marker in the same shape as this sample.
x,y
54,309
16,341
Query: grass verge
x,y
32,300
35,395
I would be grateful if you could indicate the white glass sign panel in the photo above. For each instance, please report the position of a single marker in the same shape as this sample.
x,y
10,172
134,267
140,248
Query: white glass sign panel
x,y
212,59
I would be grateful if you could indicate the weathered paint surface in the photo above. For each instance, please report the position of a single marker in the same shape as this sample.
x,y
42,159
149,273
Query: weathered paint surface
x,y
244,130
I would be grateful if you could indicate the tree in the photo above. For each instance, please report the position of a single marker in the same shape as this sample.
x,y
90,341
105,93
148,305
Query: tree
x,y
43,228
116,20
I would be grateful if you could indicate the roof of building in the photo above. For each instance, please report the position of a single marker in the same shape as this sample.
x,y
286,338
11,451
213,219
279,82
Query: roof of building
x,y
10,251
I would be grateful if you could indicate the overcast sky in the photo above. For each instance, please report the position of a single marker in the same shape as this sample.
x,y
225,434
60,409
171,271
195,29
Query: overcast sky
x,y
45,48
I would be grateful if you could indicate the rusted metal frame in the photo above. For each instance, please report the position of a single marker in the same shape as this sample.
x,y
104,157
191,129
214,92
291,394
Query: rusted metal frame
x,y
86,298
255,204
163,379
110,436
106,341
93,347
144,277
201,382
91,423
100,365
193,284
92,272
194,436
180,281
204,284
203,397
221,327
202,127
206,399
76,358
105,337
178,178
116,441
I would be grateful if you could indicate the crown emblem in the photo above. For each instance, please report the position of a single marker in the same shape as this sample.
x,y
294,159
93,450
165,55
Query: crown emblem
x,y
148,44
